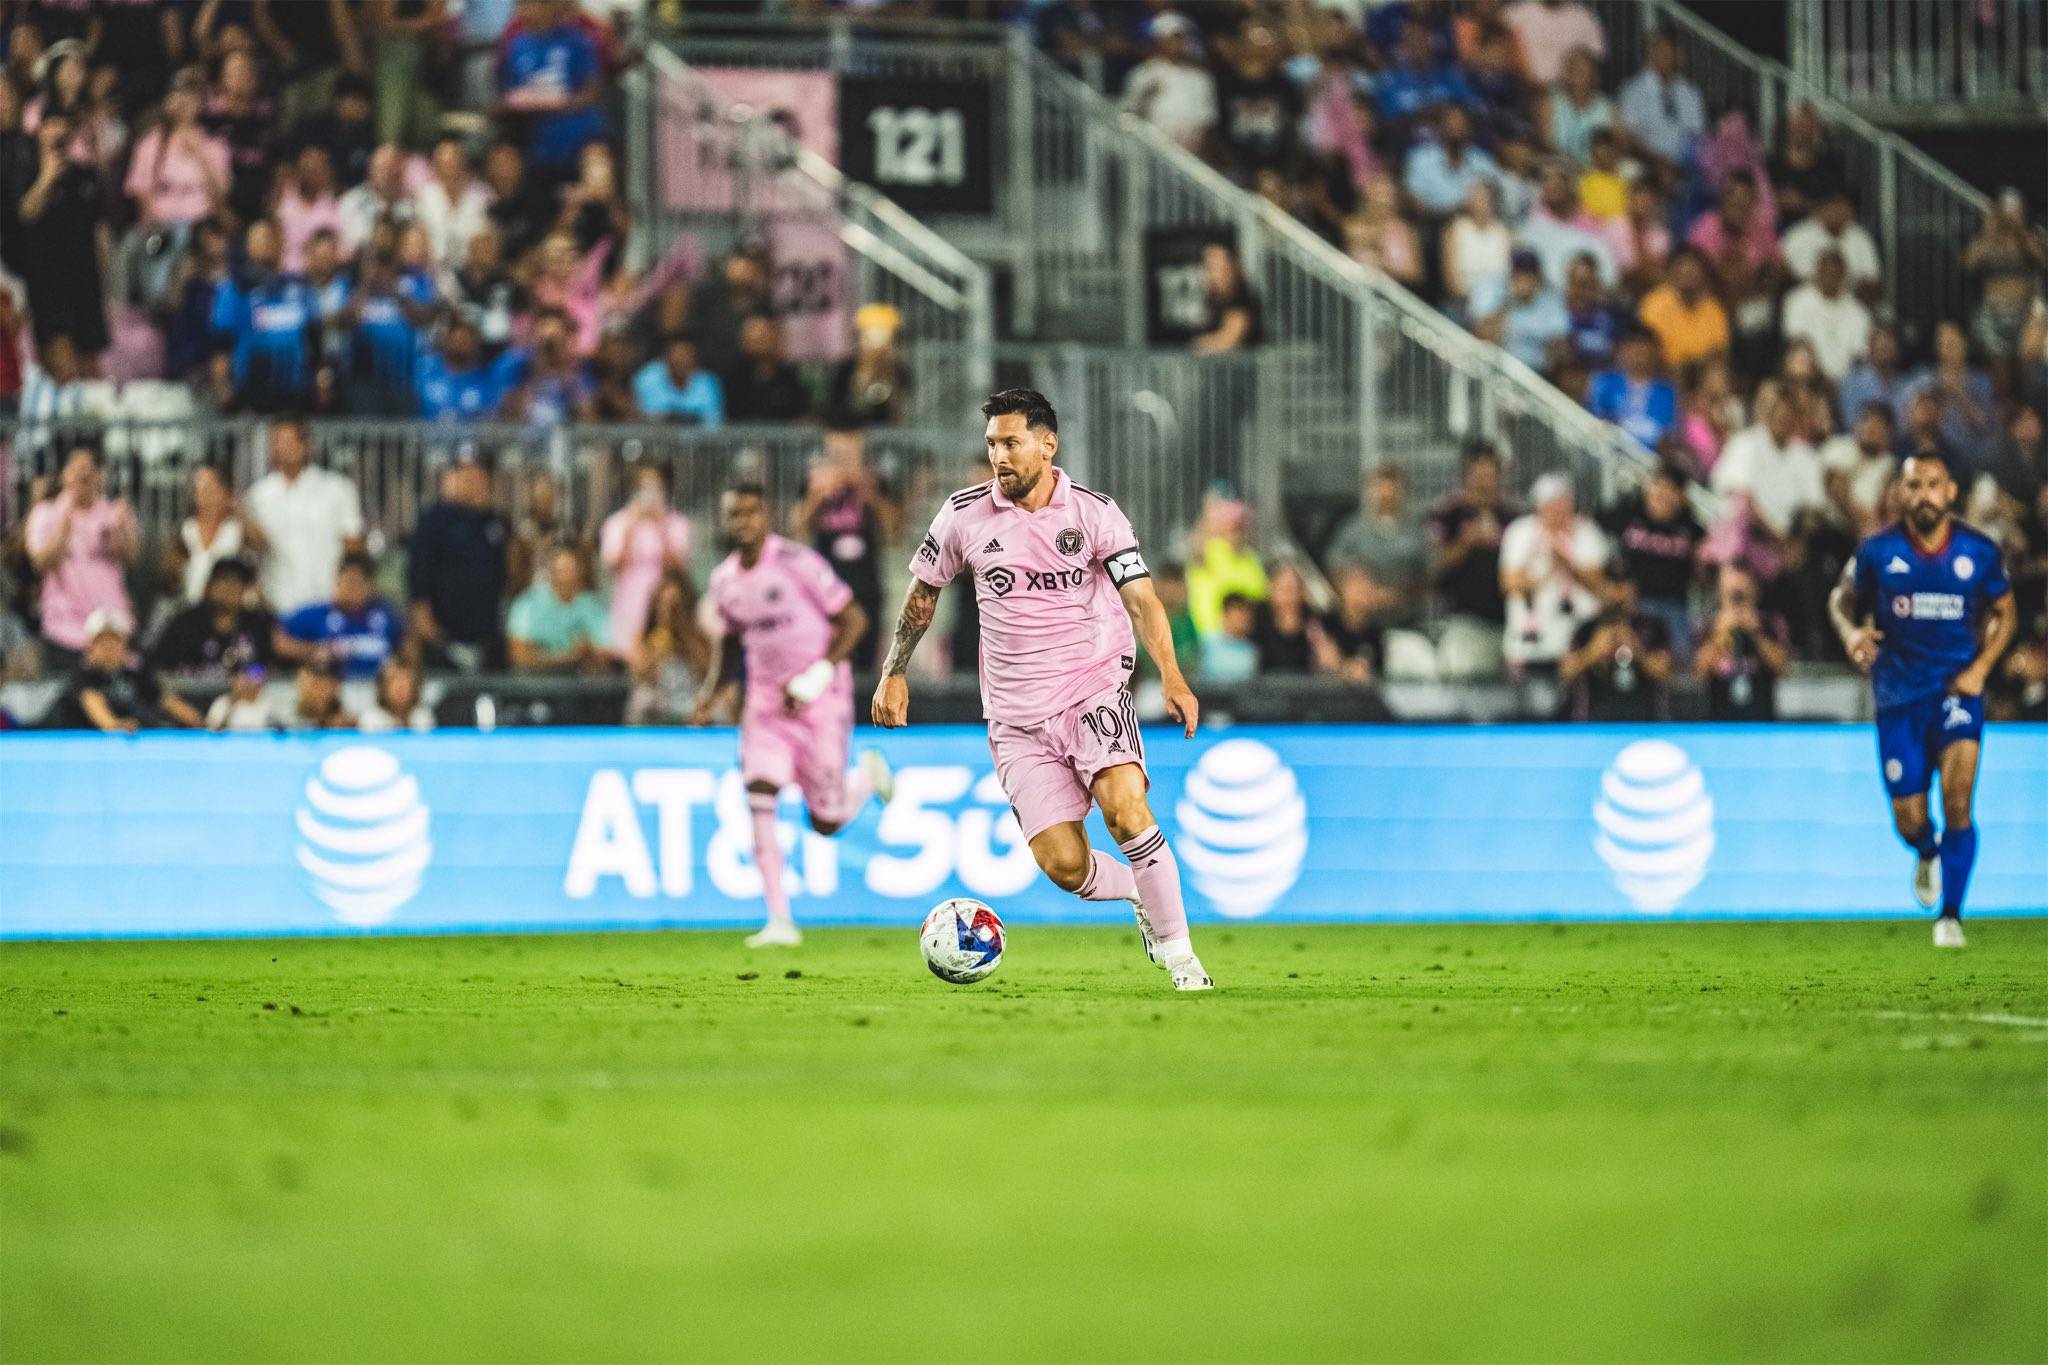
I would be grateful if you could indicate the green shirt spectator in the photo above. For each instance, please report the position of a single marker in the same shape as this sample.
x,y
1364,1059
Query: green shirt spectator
x,y
557,626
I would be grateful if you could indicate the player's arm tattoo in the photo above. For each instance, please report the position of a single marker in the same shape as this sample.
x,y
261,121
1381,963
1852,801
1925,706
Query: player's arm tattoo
x,y
918,606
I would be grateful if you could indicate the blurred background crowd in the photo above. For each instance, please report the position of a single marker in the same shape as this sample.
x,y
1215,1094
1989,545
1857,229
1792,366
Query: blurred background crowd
x,y
414,209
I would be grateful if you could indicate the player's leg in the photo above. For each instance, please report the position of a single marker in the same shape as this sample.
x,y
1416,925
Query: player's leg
x,y
1958,834
833,792
1119,793
1050,803
1902,748
768,764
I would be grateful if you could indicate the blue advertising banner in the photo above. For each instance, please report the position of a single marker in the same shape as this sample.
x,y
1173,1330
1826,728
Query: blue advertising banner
x,y
167,834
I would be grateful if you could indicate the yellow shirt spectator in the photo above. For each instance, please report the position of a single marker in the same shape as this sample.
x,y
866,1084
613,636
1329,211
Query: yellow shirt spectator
x,y
1604,194
1222,570
1686,332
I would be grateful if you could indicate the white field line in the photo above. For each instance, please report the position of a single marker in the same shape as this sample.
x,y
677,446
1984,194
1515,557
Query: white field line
x,y
2015,1020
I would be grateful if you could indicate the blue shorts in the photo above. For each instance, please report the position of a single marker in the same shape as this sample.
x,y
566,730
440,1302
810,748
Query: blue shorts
x,y
1910,738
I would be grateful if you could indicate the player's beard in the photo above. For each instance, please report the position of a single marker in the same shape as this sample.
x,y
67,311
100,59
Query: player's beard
x,y
1016,486
1926,517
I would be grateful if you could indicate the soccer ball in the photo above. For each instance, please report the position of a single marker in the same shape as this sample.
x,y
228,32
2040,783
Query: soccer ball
x,y
962,940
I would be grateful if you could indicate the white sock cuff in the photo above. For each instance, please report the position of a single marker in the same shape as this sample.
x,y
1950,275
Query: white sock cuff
x,y
1174,951
762,801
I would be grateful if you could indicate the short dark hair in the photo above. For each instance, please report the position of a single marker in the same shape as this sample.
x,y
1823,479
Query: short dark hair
x,y
747,488
360,561
1237,599
1477,449
230,567
1033,406
1879,408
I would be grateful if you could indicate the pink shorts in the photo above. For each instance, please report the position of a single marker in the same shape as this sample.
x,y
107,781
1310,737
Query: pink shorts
x,y
808,749
1046,768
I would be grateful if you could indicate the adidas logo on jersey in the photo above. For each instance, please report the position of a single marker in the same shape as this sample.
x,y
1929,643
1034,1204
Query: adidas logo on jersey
x,y
1897,566
992,548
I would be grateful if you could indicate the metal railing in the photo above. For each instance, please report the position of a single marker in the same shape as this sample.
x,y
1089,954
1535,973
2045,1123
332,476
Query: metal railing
x,y
713,173
1932,61
1382,376
1922,213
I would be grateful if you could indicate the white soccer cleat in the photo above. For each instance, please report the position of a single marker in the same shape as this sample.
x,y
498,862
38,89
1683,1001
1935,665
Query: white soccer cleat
x,y
881,777
1927,880
1948,932
777,934
1145,932
1188,975
1184,967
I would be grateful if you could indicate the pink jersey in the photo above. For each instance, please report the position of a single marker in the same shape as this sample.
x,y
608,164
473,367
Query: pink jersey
x,y
1053,627
780,612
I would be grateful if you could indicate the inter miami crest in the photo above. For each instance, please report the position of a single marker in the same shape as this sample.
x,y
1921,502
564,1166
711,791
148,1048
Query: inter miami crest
x,y
1000,580
1069,543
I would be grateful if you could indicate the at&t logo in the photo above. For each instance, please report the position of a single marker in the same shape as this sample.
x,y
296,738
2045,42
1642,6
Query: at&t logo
x,y
363,835
1655,824
1243,827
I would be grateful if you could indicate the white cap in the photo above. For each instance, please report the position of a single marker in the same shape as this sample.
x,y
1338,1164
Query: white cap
x,y
104,619
1548,487
1166,25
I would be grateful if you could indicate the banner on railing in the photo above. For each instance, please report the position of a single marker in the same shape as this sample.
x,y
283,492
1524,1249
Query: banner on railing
x,y
198,835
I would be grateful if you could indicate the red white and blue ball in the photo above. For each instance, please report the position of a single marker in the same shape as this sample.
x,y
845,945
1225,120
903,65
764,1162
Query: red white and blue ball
x,y
962,940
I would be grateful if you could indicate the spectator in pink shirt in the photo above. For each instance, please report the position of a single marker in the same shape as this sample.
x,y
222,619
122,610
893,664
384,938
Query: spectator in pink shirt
x,y
642,543
1549,30
306,204
81,542
178,174
1737,237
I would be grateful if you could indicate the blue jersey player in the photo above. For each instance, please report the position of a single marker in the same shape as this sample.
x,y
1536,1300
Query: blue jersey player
x,y
1926,608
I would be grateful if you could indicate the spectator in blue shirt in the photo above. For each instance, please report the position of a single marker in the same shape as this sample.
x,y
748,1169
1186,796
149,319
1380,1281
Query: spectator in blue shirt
x,y
1440,173
550,71
270,321
457,383
357,629
677,387
384,322
1877,378
1530,322
1632,397
1595,324
1662,110
557,386
1418,81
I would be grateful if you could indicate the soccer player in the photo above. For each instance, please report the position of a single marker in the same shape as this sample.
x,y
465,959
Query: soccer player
x,y
780,605
1941,612
1059,583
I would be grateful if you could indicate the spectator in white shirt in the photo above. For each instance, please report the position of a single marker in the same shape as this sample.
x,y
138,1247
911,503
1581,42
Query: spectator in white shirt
x,y
1171,90
1825,314
1771,463
453,206
1550,573
1661,109
380,196
310,517
1857,469
1833,227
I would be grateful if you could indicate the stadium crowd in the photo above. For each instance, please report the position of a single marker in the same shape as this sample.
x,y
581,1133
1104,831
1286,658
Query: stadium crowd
x,y
1719,300
391,210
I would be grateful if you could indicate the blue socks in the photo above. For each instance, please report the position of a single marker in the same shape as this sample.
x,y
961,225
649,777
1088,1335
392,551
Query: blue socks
x,y
1958,855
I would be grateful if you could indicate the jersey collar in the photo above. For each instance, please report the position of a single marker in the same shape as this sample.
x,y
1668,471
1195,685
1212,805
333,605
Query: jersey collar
x,y
1059,491
1948,533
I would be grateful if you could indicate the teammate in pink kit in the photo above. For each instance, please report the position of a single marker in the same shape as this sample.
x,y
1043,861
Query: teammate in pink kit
x,y
1060,585
780,604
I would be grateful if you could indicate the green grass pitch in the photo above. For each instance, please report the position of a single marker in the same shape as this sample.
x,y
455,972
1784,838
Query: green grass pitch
x,y
1641,1142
